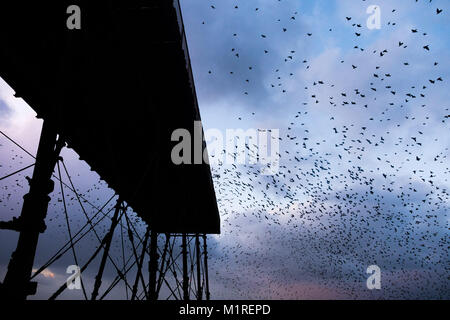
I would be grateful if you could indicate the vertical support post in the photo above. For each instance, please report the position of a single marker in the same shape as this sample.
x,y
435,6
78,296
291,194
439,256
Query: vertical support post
x,y
185,269
198,262
205,252
162,270
139,268
153,266
17,283
108,240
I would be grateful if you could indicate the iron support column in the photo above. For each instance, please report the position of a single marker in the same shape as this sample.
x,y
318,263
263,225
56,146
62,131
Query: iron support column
x,y
139,269
198,262
153,266
108,240
205,252
185,270
31,222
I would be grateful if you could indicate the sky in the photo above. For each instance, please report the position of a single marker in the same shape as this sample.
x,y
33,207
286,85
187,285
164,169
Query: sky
x,y
364,139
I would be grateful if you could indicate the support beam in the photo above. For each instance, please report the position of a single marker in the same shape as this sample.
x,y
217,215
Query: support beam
x,y
205,253
153,267
97,251
163,268
185,269
108,240
31,222
139,275
199,264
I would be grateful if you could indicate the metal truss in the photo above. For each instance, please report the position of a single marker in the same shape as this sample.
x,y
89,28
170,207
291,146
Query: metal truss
x,y
158,266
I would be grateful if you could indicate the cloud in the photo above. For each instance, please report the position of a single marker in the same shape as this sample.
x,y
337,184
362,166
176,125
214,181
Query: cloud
x,y
5,111
46,273
346,197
